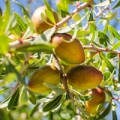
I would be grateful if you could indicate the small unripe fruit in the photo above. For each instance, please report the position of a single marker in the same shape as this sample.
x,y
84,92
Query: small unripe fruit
x,y
84,77
39,24
91,54
70,52
48,74
98,97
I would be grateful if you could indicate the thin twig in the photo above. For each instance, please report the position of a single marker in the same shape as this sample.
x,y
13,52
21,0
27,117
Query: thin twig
x,y
101,49
63,78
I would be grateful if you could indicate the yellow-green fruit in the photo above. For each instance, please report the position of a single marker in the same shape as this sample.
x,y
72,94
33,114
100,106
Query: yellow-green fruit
x,y
39,24
98,97
48,74
70,52
84,77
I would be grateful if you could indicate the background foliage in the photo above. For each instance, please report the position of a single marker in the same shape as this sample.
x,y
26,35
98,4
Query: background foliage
x,y
94,26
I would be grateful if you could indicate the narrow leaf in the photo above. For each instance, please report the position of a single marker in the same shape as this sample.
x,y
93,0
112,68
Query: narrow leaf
x,y
23,8
116,5
108,63
43,47
31,97
114,32
34,109
114,115
52,104
105,3
105,112
14,100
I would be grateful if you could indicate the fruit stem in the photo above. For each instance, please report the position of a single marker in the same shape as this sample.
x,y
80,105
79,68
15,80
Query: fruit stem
x,y
63,77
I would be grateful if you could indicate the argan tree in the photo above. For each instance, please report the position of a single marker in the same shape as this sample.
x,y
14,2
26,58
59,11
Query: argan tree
x,y
60,64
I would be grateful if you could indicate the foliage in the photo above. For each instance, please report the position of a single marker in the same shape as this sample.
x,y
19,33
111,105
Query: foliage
x,y
21,57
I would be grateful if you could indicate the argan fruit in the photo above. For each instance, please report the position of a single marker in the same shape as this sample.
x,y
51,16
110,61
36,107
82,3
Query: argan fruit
x,y
84,77
98,97
39,24
48,74
70,52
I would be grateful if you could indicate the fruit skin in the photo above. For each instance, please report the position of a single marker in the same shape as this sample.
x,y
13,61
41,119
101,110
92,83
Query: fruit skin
x,y
84,77
39,23
49,74
98,97
70,52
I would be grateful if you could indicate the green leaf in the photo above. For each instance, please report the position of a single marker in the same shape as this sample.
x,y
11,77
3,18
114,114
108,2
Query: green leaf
x,y
3,90
65,29
20,22
114,32
4,115
105,112
105,3
50,16
10,68
4,46
110,15
55,88
23,96
116,46
116,5
111,55
14,100
43,47
34,109
48,5
90,16
103,36
23,9
52,104
31,97
6,16
45,36
114,115
108,63
5,102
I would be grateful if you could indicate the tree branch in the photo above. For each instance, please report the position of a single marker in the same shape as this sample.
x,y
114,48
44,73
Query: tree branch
x,y
101,49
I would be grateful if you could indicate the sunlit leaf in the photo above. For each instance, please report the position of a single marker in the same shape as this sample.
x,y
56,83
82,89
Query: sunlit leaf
x,y
108,63
104,3
4,46
114,32
23,8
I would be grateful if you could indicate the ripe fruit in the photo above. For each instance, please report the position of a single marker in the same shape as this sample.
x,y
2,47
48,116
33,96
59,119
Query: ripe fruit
x,y
98,97
39,24
84,77
70,52
48,74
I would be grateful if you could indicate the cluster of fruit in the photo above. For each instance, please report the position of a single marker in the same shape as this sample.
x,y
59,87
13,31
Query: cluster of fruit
x,y
81,77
